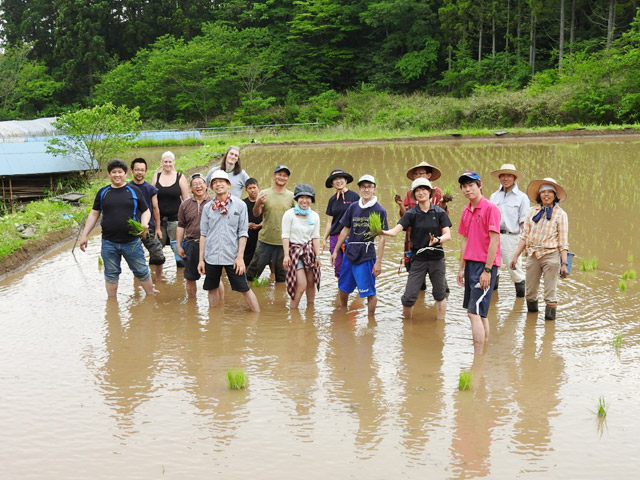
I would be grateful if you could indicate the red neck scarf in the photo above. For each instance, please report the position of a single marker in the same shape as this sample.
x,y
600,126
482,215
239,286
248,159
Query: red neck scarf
x,y
222,205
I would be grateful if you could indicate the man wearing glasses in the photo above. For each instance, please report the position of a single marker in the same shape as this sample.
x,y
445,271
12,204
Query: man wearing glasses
x,y
151,241
189,215
360,266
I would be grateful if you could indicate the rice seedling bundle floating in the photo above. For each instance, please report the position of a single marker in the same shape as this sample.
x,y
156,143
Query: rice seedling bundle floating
x,y
465,381
260,282
135,228
629,274
617,343
588,264
602,408
236,379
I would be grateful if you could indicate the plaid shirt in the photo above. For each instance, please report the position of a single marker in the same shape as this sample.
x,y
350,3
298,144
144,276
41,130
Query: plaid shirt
x,y
546,236
305,252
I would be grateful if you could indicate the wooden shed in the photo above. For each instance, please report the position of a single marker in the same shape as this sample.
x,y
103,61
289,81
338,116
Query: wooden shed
x,y
27,171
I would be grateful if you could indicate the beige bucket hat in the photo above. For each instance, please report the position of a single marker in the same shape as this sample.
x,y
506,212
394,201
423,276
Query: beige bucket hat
x,y
510,169
534,188
436,173
420,182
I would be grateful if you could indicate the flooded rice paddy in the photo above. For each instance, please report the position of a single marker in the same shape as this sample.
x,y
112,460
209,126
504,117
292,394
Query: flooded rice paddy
x,y
136,388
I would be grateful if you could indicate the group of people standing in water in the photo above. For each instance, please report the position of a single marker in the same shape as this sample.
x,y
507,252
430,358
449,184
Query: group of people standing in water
x,y
277,227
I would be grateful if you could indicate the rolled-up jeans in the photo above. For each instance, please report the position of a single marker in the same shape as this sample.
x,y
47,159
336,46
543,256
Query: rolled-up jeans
x,y
112,253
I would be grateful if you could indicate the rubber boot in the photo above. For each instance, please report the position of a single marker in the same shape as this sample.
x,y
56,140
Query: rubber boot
x,y
495,287
550,312
520,289
532,307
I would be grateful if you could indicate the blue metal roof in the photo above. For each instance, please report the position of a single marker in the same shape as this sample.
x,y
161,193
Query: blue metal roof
x,y
31,158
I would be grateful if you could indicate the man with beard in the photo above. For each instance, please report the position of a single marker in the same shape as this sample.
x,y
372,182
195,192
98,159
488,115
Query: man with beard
x,y
272,203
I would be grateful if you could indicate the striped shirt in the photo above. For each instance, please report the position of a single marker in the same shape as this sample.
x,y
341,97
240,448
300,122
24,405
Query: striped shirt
x,y
546,236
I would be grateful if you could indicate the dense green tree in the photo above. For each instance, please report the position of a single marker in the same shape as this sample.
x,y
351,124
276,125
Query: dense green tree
x,y
26,90
95,135
194,80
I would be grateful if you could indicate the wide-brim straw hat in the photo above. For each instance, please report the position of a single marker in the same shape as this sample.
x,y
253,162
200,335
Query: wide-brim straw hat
x,y
436,173
337,173
509,169
534,186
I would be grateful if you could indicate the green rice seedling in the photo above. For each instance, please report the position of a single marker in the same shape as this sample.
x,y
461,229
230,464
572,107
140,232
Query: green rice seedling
x,y
617,343
447,193
236,379
623,285
259,282
630,257
588,264
602,408
135,228
100,262
375,225
465,381
629,274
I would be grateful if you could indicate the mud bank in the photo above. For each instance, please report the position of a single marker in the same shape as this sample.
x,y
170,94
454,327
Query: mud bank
x,y
32,250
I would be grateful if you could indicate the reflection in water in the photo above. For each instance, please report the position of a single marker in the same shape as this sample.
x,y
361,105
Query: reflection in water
x,y
474,419
354,383
126,378
423,407
540,377
137,388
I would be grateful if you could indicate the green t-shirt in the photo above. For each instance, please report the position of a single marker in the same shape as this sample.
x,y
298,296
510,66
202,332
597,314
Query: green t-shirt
x,y
274,207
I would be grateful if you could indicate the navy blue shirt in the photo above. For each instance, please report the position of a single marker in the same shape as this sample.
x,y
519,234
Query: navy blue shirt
x,y
360,247
148,191
336,208
422,224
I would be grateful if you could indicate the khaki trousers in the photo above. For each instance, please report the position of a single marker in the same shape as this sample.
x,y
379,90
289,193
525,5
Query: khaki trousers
x,y
547,267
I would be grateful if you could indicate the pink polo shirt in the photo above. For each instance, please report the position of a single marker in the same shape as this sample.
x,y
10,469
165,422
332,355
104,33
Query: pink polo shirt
x,y
476,225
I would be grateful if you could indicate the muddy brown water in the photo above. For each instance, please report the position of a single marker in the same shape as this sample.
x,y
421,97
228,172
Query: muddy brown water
x,y
136,388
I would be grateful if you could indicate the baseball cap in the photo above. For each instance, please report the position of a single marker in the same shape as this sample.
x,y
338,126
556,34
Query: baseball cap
x,y
279,168
367,178
468,175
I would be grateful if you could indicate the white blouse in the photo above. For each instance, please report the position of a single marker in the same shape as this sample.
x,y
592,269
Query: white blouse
x,y
297,229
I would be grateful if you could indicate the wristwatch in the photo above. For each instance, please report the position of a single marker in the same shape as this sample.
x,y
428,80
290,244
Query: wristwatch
x,y
564,263
487,269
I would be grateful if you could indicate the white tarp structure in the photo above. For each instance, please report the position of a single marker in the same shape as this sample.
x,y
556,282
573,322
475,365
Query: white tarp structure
x,y
27,130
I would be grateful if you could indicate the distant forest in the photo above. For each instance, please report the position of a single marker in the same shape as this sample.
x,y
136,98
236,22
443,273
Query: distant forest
x,y
209,62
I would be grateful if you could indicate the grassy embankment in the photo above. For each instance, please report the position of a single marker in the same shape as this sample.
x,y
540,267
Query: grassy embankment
x,y
49,216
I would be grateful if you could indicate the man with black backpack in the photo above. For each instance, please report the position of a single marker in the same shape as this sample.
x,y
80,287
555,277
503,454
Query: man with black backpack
x,y
118,203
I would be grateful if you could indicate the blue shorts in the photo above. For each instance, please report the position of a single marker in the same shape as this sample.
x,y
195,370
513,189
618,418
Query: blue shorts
x,y
359,275
112,253
476,300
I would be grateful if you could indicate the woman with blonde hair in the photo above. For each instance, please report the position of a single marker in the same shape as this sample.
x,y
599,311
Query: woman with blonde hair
x,y
172,190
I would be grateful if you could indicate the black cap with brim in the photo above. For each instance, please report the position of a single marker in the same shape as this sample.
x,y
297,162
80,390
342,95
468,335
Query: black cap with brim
x,y
337,173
